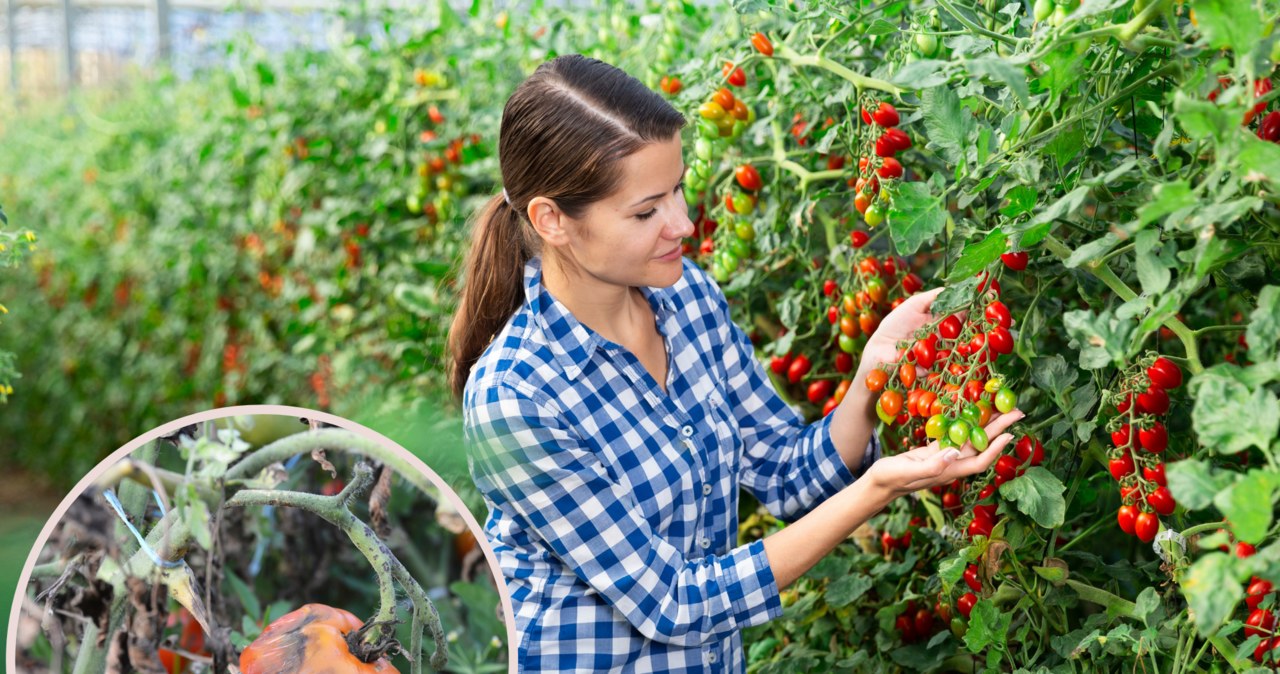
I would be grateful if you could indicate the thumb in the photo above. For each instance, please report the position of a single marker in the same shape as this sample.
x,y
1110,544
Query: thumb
x,y
943,460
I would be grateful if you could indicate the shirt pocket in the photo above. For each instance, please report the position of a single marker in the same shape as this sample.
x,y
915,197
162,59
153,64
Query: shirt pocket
x,y
713,393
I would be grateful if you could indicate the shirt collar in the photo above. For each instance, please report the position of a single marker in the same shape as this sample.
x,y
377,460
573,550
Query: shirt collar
x,y
573,343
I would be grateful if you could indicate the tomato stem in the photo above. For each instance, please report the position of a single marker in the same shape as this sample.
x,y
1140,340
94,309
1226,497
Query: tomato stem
x,y
782,51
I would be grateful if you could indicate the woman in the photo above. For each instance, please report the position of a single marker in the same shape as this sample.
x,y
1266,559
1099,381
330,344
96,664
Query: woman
x,y
615,409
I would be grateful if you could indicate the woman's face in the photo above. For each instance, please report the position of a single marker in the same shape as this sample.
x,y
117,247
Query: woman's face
x,y
634,237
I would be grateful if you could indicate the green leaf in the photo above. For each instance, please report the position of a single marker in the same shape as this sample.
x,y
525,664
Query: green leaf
x,y
881,27
921,74
1260,160
1039,496
916,217
988,626
1022,199
1069,203
1166,198
949,129
1148,601
1264,325
1214,252
195,514
1230,24
977,256
1221,402
1092,251
956,296
848,589
1001,70
1102,340
1211,589
1194,483
1052,375
1206,119
245,594
1152,273
1064,147
1247,504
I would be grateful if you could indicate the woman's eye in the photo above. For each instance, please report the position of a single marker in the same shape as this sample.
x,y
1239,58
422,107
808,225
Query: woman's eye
x,y
650,213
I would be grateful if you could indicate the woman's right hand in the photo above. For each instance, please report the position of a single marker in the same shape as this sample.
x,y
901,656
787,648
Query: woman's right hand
x,y
929,466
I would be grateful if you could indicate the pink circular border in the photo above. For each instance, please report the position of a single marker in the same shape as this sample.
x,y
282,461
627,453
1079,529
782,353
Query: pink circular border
x,y
11,650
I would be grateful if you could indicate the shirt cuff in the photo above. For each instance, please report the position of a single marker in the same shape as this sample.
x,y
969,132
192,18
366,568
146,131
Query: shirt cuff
x,y
831,466
750,585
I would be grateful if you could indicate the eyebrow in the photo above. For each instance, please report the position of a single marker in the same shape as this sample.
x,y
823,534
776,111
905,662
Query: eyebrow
x,y
657,196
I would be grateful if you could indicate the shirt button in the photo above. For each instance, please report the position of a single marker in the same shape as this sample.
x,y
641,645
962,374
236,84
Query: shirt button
x,y
706,489
705,542
711,657
686,431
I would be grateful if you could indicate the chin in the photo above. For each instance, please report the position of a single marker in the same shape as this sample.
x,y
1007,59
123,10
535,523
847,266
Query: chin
x,y
666,274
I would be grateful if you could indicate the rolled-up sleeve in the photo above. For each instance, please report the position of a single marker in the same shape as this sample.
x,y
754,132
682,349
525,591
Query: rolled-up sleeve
x,y
526,457
788,465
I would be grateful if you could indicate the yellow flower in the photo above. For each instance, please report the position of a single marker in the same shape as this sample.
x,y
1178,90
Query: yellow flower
x,y
3,310
30,235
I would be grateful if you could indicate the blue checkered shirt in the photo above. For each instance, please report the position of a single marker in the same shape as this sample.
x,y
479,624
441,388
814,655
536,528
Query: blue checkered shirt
x,y
613,507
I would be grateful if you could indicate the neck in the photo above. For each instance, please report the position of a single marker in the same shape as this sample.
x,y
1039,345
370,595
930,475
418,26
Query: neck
x,y
609,309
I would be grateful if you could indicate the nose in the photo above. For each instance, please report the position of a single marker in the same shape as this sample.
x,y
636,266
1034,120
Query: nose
x,y
681,226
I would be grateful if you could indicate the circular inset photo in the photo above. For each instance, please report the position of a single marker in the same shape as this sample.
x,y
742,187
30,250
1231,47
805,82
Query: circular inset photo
x,y
262,543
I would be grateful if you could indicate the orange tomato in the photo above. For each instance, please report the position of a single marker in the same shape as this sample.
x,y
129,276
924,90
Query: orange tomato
x,y
310,639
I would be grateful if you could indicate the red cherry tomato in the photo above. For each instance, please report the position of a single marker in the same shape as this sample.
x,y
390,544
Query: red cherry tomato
x,y
971,577
1029,448
859,238
748,177
798,369
1162,500
1258,590
998,314
886,115
1127,517
1153,439
1153,401
762,44
1015,261
1120,436
1000,341
965,603
1146,526
891,168
1121,467
1165,374
1155,474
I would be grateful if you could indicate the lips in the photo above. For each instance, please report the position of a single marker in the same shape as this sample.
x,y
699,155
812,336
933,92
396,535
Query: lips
x,y
671,252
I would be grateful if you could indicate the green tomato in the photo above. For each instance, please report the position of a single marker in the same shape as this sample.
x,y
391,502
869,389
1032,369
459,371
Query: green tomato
x,y
935,427
702,150
743,204
958,628
413,202
971,414
740,248
707,128
1060,15
738,127
874,214
719,273
945,441
993,384
729,261
927,44
745,230
751,115
1042,10
978,438
958,431
1006,400
666,54
692,188
847,343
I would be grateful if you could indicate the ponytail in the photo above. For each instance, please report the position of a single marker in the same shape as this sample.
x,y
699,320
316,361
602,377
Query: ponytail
x,y
493,286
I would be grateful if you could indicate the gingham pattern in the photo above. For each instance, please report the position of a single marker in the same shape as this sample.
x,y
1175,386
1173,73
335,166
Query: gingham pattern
x,y
613,506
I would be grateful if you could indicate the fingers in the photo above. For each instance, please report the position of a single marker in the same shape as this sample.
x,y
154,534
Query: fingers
x,y
983,461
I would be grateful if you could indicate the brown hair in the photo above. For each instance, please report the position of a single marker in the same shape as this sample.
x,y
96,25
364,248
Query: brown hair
x,y
563,132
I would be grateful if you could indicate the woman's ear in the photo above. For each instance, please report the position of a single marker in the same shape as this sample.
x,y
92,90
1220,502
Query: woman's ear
x,y
548,221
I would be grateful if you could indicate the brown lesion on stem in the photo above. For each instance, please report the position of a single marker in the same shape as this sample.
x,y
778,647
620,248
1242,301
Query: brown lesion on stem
x,y
377,637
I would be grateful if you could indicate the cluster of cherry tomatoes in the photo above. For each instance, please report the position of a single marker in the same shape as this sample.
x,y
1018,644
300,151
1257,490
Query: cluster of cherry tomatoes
x,y
440,183
878,286
869,199
1143,400
918,623
943,386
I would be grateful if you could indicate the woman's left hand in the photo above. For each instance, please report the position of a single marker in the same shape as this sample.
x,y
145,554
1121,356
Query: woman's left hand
x,y
928,466
899,325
